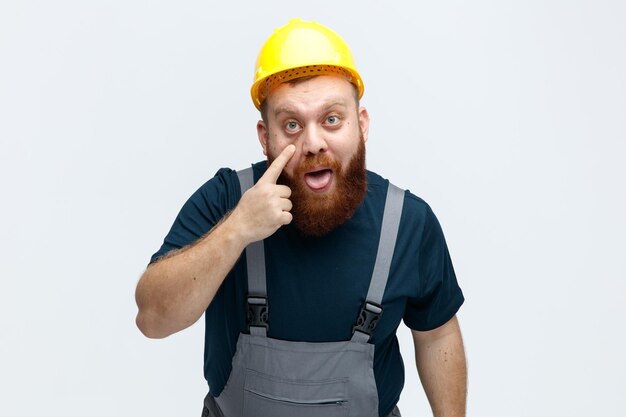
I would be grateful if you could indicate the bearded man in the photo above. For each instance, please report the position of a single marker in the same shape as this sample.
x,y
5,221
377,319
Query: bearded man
x,y
305,264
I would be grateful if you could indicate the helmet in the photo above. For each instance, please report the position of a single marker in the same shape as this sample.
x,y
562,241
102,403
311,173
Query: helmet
x,y
301,49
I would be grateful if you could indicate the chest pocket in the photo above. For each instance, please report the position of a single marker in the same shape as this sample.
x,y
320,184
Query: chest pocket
x,y
271,396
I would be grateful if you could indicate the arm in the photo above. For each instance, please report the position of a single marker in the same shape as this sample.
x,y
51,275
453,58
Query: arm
x,y
174,292
440,360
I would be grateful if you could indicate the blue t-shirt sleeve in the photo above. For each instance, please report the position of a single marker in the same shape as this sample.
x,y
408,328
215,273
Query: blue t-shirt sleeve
x,y
202,211
438,295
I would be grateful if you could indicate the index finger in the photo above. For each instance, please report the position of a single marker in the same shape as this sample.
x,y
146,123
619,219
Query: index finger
x,y
273,171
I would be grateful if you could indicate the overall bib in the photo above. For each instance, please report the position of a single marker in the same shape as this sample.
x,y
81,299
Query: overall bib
x,y
278,378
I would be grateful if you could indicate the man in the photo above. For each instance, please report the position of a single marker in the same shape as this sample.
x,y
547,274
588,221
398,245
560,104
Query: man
x,y
304,265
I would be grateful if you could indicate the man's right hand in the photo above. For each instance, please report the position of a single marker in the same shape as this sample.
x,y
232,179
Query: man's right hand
x,y
265,207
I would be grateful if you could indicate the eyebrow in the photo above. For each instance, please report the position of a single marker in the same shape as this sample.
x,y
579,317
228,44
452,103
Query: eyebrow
x,y
288,109
284,109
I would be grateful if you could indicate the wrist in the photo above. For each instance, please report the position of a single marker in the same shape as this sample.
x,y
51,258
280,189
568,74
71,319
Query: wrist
x,y
233,232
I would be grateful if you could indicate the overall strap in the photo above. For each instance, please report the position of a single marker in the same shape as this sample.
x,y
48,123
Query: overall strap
x,y
372,309
255,258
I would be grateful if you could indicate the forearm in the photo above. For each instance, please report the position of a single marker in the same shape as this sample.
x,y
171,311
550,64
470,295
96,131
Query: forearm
x,y
442,368
174,292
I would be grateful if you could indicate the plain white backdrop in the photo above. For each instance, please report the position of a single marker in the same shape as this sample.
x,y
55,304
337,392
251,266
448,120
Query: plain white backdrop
x,y
508,117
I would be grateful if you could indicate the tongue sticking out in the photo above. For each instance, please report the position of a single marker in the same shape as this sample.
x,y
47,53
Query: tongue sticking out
x,y
318,180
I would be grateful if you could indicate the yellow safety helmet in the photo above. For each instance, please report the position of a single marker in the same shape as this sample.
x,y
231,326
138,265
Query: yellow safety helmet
x,y
300,49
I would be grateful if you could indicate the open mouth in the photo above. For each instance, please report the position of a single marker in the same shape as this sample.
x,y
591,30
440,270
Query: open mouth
x,y
318,180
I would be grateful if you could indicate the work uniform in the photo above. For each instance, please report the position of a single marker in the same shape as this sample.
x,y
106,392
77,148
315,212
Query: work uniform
x,y
311,356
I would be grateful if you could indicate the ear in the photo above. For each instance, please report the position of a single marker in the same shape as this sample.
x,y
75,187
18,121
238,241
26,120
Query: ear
x,y
262,132
364,122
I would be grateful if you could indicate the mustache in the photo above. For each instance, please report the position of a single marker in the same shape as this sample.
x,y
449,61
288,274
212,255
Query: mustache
x,y
313,161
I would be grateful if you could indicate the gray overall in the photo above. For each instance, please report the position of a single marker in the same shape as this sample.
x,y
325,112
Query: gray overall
x,y
278,378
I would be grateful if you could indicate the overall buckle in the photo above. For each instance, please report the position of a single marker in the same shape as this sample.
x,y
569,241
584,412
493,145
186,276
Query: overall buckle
x,y
368,318
257,312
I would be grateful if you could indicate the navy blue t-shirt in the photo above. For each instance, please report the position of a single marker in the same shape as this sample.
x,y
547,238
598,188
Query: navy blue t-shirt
x,y
316,286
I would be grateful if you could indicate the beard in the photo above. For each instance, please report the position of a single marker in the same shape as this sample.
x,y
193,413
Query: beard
x,y
318,214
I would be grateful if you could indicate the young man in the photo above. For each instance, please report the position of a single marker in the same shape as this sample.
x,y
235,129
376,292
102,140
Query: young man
x,y
305,264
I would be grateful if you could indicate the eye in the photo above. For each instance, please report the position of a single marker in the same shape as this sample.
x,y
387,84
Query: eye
x,y
292,126
332,120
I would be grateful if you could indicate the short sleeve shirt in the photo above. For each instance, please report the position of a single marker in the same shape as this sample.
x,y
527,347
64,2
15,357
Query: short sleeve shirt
x,y
316,286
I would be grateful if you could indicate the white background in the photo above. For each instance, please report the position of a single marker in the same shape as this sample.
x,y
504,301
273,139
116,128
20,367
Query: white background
x,y
508,117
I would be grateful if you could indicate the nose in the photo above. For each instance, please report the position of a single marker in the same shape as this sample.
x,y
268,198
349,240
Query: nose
x,y
313,142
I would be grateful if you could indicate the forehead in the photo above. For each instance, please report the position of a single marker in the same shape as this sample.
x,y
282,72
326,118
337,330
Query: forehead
x,y
316,93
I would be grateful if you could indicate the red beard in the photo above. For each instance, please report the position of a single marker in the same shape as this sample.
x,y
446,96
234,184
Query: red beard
x,y
318,214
